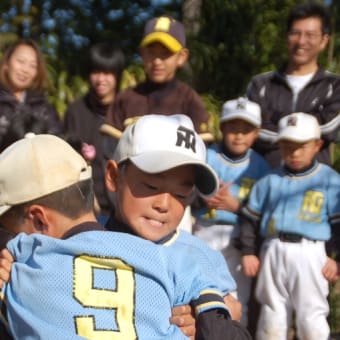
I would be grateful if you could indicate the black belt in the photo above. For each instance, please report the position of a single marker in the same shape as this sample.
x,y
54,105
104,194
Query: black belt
x,y
290,237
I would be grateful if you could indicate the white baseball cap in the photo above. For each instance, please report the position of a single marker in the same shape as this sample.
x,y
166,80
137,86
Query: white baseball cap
x,y
157,143
241,108
36,166
298,127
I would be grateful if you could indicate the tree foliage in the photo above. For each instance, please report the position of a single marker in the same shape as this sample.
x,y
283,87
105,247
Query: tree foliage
x,y
229,40
66,28
237,39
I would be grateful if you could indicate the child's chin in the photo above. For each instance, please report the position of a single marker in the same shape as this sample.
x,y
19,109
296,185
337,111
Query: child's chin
x,y
296,167
158,79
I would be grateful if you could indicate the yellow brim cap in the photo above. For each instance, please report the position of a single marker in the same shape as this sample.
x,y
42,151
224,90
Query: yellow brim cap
x,y
164,38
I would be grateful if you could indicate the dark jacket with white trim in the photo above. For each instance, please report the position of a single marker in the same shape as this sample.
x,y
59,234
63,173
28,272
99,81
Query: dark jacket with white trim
x,y
320,97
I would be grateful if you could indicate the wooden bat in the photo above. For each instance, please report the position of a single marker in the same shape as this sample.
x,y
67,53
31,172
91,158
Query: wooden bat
x,y
111,131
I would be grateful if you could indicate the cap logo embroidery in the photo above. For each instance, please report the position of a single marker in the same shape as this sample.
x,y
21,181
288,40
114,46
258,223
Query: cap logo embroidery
x,y
241,106
163,24
187,138
292,121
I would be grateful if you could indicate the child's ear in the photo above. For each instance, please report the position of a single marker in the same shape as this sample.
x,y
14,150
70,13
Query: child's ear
x,y
37,216
183,56
319,144
111,175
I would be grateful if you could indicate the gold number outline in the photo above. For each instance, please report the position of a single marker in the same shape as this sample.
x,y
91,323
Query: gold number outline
x,y
122,299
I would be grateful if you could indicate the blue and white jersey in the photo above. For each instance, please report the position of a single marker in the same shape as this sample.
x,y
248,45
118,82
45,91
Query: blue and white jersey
x,y
304,203
101,285
243,173
211,261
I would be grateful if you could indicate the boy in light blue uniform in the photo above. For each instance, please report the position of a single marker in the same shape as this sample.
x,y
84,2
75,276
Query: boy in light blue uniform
x,y
123,287
295,210
72,279
165,135
238,167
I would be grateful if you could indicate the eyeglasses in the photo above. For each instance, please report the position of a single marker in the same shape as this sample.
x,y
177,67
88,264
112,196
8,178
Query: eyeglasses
x,y
309,35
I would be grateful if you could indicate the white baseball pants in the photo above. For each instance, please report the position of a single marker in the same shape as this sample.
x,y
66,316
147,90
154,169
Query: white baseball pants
x,y
290,279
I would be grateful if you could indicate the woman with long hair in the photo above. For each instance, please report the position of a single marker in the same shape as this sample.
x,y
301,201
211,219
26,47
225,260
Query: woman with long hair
x,y
23,103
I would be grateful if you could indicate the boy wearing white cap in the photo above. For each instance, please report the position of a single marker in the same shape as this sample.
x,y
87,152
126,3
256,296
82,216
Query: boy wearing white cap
x,y
295,210
125,286
237,167
157,147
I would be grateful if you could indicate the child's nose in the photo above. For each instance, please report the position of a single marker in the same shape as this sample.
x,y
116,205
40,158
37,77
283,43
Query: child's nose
x,y
161,202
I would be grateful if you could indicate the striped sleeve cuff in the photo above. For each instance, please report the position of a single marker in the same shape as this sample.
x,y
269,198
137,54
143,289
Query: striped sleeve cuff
x,y
251,214
209,299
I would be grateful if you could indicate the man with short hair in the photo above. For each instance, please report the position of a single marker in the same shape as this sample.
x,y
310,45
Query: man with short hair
x,y
300,85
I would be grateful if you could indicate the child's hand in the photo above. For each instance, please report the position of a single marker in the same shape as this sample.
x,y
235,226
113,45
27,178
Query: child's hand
x,y
331,270
251,265
88,151
182,316
224,200
234,307
6,260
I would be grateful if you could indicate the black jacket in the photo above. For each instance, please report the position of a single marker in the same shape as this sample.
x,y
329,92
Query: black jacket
x,y
168,98
320,97
35,114
81,125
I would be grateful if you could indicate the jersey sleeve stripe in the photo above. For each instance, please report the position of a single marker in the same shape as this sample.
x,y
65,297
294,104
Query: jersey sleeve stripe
x,y
209,299
334,219
253,215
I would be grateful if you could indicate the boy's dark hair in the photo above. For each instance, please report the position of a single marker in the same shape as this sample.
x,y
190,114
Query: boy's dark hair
x,y
107,57
71,202
308,10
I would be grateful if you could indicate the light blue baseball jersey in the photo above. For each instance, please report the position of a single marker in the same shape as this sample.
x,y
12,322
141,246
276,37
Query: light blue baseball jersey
x,y
101,285
211,262
304,204
243,173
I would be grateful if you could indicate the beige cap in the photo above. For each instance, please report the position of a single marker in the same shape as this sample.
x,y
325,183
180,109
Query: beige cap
x,y
36,166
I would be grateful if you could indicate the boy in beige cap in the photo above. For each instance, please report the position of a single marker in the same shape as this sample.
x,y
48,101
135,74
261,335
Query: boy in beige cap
x,y
110,276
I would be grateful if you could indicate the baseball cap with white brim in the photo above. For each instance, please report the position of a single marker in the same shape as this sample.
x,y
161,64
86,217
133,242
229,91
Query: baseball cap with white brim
x,y
36,166
157,143
241,108
298,127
